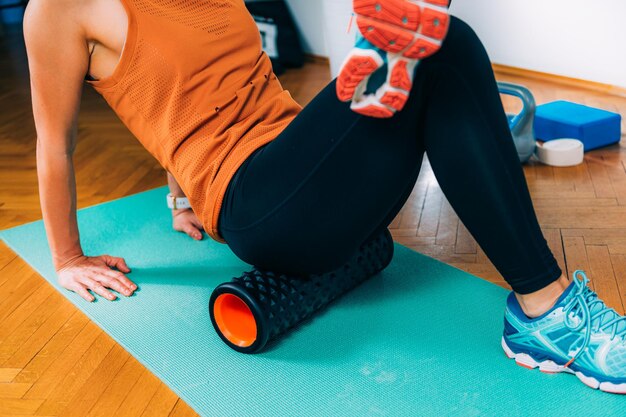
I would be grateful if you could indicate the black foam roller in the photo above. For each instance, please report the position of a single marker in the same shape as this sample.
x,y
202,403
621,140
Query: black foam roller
x,y
262,305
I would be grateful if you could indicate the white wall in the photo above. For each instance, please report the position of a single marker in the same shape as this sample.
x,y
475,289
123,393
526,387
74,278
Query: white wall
x,y
309,18
583,39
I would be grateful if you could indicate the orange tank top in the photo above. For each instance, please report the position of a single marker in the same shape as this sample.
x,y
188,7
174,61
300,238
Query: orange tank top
x,y
195,88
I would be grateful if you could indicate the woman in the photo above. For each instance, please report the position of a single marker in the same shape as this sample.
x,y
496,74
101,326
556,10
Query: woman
x,y
299,190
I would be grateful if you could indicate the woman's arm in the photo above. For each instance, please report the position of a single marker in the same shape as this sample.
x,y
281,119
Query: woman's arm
x,y
184,220
58,59
174,187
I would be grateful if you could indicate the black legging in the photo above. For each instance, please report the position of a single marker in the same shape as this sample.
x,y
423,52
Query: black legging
x,y
333,179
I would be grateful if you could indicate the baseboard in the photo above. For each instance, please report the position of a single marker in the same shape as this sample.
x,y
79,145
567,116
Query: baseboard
x,y
574,82
521,72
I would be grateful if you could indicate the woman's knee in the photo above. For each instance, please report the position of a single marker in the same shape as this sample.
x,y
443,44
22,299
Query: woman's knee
x,y
462,45
459,31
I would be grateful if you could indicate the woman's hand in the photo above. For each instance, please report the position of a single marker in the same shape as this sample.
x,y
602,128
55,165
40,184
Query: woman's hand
x,y
186,221
94,273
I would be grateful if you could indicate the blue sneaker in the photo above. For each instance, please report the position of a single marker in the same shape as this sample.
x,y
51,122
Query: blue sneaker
x,y
579,335
396,34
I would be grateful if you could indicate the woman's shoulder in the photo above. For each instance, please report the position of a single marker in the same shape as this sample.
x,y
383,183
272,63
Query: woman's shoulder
x,y
54,16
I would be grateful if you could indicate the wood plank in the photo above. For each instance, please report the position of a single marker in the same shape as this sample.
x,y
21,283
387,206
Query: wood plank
x,y
16,290
600,178
45,384
594,233
15,315
7,374
13,389
429,221
19,406
465,243
577,175
545,175
582,217
607,241
103,358
118,390
411,213
603,276
99,379
617,249
27,328
54,347
6,256
42,335
139,396
575,253
20,415
619,267
545,191
181,409
617,176
574,202
448,225
161,404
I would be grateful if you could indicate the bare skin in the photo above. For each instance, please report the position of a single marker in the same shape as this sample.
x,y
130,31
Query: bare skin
x,y
538,302
88,39
66,40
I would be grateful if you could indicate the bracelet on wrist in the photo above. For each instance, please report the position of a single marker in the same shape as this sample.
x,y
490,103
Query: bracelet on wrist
x,y
177,203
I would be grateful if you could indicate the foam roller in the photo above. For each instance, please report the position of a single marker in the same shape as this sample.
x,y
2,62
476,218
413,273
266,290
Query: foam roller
x,y
261,305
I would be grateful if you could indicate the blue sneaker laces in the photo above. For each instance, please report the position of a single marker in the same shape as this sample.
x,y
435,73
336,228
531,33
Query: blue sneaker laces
x,y
591,311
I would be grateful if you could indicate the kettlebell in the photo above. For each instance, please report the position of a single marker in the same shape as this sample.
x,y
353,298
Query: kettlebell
x,y
522,124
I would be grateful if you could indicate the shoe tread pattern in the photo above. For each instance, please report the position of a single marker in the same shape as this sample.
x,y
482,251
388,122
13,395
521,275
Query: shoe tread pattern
x,y
400,32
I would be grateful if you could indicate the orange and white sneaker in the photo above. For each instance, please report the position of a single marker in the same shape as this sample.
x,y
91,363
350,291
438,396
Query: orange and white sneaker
x,y
396,34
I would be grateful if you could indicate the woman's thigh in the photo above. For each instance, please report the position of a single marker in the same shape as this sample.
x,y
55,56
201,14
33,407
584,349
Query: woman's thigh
x,y
306,201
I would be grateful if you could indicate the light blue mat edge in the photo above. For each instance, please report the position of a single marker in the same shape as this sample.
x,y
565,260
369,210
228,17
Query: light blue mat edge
x,y
610,402
5,236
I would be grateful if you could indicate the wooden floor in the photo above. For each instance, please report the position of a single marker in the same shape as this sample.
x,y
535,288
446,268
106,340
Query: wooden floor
x,y
55,362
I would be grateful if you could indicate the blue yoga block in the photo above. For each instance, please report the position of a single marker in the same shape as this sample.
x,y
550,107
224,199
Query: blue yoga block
x,y
562,119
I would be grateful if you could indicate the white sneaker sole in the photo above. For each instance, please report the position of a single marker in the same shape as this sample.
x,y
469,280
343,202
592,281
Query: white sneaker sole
x,y
550,367
408,31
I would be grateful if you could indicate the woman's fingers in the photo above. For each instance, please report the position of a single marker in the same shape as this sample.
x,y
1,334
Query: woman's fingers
x,y
94,285
114,261
196,222
126,286
126,282
120,264
113,282
187,222
192,231
100,290
81,290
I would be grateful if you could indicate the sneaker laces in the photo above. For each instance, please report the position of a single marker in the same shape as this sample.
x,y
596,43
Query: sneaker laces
x,y
592,312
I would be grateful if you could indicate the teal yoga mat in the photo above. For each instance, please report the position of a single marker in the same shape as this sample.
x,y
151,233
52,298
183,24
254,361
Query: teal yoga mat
x,y
420,339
